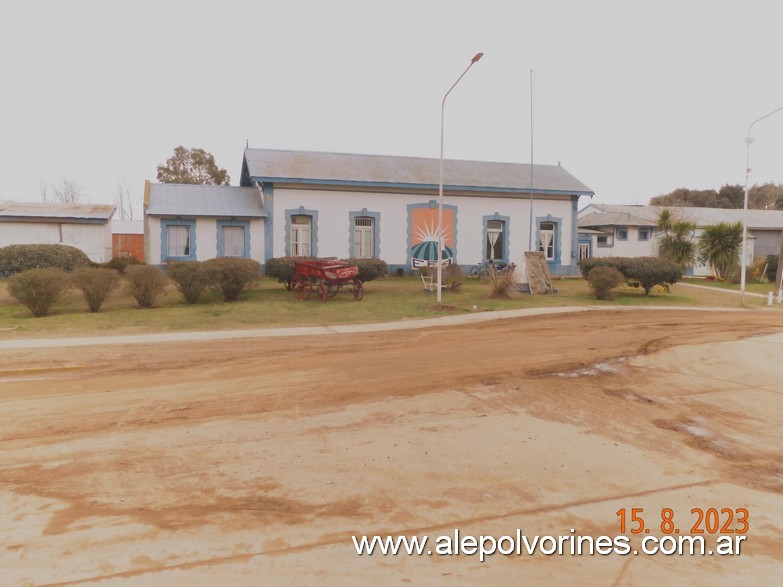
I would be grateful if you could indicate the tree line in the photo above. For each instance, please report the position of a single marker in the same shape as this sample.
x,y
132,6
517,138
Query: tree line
x,y
767,196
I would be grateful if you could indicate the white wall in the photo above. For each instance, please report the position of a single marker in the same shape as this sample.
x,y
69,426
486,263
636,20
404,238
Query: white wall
x,y
632,247
206,239
93,239
334,226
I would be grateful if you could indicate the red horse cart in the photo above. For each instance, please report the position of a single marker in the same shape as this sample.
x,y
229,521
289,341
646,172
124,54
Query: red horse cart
x,y
326,276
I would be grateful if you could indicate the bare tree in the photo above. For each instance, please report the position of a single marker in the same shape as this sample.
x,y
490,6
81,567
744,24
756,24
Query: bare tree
x,y
125,201
44,189
67,192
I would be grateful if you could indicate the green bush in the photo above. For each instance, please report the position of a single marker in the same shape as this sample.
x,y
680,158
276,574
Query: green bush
x,y
190,277
145,284
18,258
121,263
232,275
369,269
282,268
38,289
603,280
95,284
645,272
619,263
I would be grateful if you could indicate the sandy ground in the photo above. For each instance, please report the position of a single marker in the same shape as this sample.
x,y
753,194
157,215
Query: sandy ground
x,y
253,462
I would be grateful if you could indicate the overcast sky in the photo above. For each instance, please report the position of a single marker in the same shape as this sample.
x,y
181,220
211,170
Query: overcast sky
x,y
633,98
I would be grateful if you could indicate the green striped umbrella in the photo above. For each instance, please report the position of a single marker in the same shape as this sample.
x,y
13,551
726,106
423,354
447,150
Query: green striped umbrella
x,y
428,251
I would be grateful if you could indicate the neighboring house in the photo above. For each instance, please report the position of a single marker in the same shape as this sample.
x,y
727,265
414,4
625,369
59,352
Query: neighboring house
x,y
341,205
632,231
199,222
84,226
127,238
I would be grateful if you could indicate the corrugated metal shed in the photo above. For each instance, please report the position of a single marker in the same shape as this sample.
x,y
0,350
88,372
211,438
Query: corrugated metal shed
x,y
757,219
405,172
51,212
167,199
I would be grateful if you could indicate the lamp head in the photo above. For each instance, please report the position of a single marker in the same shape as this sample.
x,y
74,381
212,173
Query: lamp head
x,y
476,57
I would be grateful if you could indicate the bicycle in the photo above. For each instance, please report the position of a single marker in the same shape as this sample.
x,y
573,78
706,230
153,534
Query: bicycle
x,y
481,270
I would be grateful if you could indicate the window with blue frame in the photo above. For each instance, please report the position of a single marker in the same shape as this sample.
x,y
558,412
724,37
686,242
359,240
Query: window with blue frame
x,y
546,242
495,237
301,233
233,238
178,240
364,237
644,234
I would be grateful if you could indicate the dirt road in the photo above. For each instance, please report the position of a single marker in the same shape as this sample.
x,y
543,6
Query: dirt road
x,y
254,462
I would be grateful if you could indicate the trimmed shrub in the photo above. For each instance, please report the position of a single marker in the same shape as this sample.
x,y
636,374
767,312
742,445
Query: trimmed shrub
x,y
645,272
121,263
369,269
619,263
95,284
603,280
145,284
190,277
282,268
38,289
18,258
232,275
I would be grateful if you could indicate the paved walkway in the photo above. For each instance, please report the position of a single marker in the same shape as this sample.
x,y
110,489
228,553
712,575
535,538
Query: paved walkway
x,y
162,337
721,290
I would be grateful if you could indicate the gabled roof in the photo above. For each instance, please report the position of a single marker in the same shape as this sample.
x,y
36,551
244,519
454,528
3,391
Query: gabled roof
x,y
615,219
172,199
757,219
52,212
404,173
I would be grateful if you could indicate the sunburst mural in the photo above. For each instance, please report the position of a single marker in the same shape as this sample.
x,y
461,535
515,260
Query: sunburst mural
x,y
424,237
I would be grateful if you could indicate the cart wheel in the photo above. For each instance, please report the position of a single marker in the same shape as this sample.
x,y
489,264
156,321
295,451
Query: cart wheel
x,y
358,289
323,291
301,286
332,289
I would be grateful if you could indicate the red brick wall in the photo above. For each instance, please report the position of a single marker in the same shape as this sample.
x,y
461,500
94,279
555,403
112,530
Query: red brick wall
x,y
128,244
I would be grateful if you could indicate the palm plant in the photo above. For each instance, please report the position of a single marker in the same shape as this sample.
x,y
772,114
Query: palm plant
x,y
677,242
719,246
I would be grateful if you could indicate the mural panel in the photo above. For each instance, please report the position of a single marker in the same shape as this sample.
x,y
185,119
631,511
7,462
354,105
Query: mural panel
x,y
424,237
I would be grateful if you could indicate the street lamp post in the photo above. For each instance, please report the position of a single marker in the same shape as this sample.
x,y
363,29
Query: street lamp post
x,y
744,260
476,57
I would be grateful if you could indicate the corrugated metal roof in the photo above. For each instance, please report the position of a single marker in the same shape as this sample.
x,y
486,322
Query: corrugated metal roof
x,y
51,211
757,219
169,199
615,219
407,172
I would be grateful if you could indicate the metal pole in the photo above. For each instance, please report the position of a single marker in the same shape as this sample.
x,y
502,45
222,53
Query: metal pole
x,y
744,261
476,57
530,228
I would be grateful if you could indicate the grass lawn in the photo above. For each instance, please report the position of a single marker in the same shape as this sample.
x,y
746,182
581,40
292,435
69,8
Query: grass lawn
x,y
270,305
